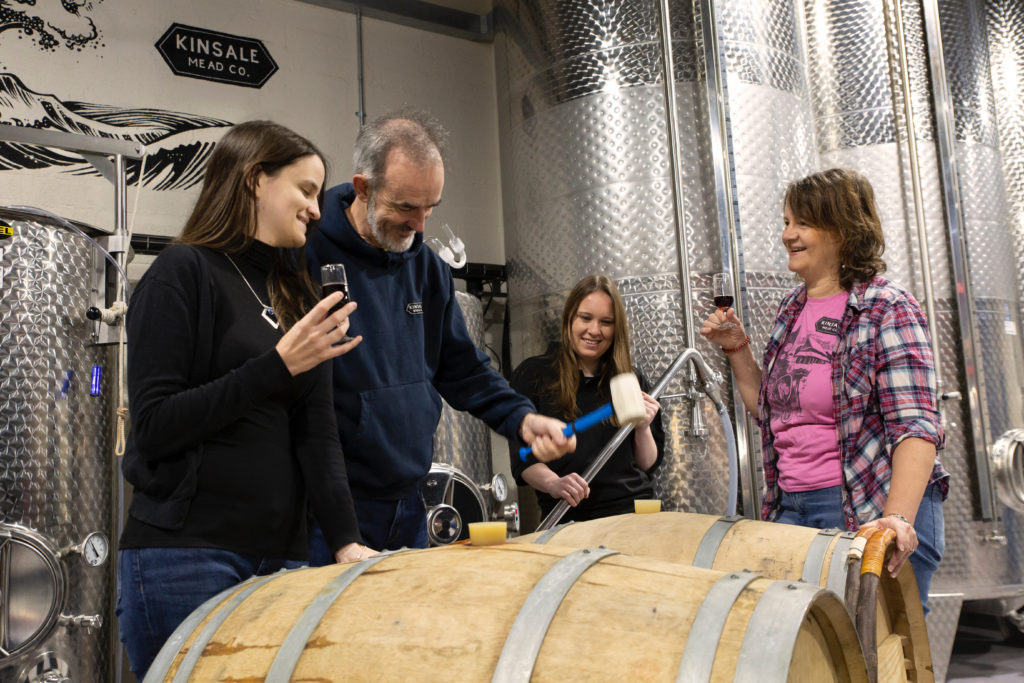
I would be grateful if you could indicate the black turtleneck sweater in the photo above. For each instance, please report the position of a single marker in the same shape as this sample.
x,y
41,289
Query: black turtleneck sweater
x,y
225,444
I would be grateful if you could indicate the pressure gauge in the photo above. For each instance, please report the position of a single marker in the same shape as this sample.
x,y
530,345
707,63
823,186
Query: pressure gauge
x,y
95,549
499,487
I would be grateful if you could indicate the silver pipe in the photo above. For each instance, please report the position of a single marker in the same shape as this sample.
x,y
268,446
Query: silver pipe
x,y
718,122
710,386
678,191
359,67
678,204
72,142
728,231
946,138
915,183
121,231
561,507
707,375
120,198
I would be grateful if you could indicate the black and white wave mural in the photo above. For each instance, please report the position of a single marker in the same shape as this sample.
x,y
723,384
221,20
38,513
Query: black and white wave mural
x,y
178,143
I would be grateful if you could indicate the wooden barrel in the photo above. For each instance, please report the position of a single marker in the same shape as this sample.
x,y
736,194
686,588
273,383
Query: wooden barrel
x,y
779,551
515,613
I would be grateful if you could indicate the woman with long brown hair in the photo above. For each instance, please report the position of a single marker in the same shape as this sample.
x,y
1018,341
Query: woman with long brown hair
x,y
232,418
572,379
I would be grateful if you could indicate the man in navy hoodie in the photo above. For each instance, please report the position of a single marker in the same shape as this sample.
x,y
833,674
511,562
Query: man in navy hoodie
x,y
387,391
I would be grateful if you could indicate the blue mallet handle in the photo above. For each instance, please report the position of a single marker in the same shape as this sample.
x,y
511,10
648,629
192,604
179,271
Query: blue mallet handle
x,y
580,424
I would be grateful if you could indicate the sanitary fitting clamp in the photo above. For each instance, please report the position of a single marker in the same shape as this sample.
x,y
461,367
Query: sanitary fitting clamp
x,y
85,621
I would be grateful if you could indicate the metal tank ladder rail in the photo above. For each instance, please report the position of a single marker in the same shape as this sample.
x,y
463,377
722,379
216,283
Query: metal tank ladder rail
x,y
708,381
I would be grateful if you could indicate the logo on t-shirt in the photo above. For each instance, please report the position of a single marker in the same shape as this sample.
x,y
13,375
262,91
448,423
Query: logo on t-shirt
x,y
414,308
827,326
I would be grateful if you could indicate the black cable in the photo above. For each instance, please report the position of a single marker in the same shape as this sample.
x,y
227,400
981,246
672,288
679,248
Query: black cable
x,y
506,343
852,587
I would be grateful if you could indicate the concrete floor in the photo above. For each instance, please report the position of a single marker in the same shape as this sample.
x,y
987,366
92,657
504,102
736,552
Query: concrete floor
x,y
980,653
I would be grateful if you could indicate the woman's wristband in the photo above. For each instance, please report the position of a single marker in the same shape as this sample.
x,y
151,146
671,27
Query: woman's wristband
x,y
899,517
745,342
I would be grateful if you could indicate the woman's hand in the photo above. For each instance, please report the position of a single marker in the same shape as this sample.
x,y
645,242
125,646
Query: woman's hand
x,y
728,337
912,463
572,488
645,449
906,540
311,340
733,337
544,435
353,552
651,408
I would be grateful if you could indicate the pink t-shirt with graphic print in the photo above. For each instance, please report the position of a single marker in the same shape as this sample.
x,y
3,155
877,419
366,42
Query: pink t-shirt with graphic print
x,y
800,399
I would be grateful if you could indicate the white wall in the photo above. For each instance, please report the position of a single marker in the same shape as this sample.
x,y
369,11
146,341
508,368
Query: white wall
x,y
314,92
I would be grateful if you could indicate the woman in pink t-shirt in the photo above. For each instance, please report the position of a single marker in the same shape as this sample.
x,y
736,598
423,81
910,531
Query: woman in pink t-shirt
x,y
845,396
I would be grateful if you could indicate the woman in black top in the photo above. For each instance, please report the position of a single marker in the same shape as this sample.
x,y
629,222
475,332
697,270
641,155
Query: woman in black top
x,y
232,418
572,379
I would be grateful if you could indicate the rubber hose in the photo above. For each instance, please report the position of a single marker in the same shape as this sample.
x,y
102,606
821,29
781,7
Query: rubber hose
x,y
870,576
854,558
866,623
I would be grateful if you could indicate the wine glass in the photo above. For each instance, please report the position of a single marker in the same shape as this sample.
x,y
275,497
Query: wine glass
x,y
333,279
721,286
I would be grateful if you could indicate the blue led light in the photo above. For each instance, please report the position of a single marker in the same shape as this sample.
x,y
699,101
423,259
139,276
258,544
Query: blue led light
x,y
94,383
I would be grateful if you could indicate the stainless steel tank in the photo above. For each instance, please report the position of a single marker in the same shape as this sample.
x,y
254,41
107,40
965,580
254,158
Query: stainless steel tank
x,y
605,169
588,188
462,486
56,476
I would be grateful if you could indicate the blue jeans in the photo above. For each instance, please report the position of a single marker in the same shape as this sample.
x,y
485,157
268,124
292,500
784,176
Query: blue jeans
x,y
823,509
383,524
157,588
818,509
931,540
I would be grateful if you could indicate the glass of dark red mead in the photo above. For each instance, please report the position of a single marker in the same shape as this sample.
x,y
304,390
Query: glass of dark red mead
x,y
333,279
721,286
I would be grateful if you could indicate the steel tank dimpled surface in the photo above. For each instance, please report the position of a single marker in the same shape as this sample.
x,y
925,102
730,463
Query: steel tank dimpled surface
x,y
463,443
588,188
56,478
461,439
588,176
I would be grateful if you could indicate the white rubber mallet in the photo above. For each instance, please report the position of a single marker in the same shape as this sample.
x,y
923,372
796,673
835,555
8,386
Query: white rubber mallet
x,y
627,405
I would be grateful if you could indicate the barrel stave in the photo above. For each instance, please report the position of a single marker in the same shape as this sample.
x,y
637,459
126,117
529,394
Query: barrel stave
x,y
445,614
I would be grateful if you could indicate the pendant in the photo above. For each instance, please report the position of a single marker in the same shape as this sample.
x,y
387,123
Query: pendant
x,y
268,315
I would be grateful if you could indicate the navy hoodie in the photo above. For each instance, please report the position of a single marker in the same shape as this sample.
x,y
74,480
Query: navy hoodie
x,y
415,349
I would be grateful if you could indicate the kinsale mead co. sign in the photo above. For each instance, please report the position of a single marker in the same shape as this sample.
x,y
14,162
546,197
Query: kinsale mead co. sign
x,y
215,56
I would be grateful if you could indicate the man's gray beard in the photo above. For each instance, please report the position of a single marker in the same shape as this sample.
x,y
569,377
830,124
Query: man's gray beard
x,y
379,230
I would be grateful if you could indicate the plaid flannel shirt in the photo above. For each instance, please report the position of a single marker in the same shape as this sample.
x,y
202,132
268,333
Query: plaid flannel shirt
x,y
883,391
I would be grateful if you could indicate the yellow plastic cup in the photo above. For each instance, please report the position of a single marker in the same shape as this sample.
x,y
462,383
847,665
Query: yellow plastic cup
x,y
487,533
646,506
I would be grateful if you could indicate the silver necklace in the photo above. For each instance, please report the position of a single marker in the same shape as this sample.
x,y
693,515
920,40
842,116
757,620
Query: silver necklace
x,y
268,311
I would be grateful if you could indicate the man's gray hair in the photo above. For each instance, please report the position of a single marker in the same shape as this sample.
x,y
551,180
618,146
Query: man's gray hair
x,y
414,131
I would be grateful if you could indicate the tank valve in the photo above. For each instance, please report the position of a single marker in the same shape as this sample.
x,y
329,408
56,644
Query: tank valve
x,y
48,668
54,677
512,517
697,426
85,621
111,316
993,537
